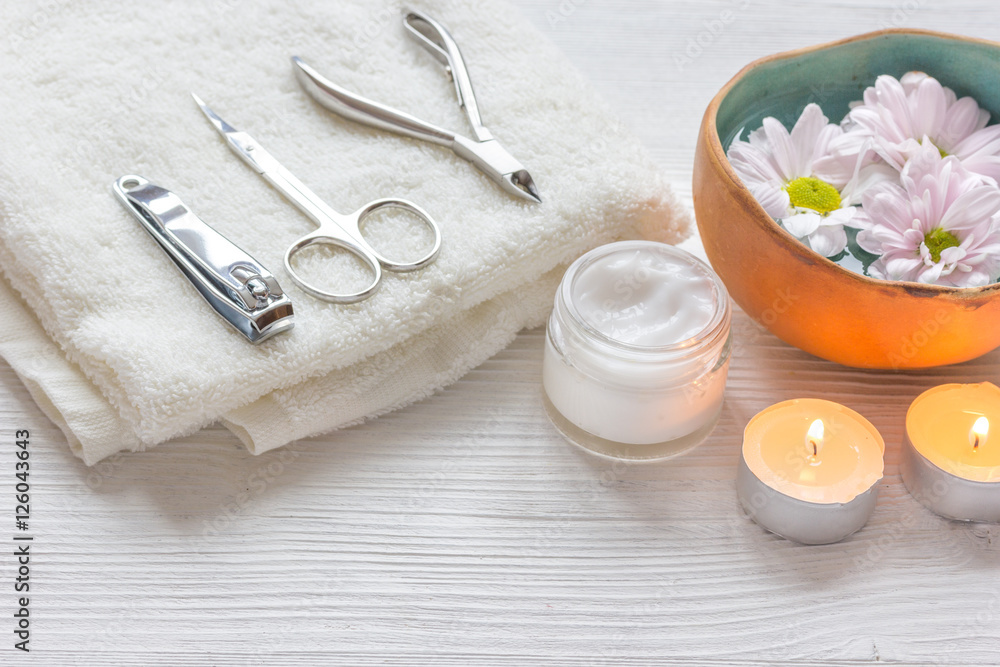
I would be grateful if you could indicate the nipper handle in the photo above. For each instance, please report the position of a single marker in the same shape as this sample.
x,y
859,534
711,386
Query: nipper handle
x,y
362,110
439,43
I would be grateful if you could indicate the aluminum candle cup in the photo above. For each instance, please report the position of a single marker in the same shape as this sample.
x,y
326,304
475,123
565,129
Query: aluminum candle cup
x,y
637,351
809,470
951,451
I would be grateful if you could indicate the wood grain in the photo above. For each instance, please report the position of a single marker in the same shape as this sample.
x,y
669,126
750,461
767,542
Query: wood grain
x,y
464,530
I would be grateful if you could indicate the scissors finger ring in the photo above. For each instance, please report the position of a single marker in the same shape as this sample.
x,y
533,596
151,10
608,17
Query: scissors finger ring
x,y
343,231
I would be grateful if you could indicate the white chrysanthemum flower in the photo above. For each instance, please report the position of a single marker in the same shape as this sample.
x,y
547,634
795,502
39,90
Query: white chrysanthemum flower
x,y
940,225
896,116
778,167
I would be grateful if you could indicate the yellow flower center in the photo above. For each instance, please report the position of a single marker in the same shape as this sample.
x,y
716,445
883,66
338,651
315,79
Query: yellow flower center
x,y
808,192
937,240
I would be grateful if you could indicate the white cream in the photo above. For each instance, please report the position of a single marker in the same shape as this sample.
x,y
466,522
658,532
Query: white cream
x,y
637,351
643,297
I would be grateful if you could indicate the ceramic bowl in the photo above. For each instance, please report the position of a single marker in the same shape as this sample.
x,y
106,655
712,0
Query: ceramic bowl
x,y
802,297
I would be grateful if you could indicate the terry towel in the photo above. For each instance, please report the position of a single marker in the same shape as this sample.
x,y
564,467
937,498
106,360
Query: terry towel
x,y
113,342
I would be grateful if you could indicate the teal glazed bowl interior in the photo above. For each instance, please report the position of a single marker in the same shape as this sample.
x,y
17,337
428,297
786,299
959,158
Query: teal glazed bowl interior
x,y
835,76
802,297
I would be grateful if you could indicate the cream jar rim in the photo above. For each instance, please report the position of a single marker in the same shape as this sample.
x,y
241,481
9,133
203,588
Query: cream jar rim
x,y
716,327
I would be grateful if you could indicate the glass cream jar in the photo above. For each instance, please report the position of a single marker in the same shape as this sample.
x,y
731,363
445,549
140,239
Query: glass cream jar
x,y
637,351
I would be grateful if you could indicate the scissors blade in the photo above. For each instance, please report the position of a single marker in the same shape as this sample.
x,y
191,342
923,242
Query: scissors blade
x,y
222,126
283,180
242,143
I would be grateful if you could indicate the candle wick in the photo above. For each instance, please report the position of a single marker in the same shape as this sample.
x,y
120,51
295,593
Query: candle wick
x,y
975,445
816,449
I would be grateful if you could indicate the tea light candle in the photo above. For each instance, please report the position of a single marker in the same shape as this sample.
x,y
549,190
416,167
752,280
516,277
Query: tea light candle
x,y
951,451
809,470
637,351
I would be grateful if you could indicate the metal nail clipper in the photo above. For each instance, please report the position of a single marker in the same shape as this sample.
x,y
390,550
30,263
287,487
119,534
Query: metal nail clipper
x,y
236,285
483,151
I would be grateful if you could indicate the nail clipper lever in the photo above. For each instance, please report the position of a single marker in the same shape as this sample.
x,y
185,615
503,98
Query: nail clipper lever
x,y
236,285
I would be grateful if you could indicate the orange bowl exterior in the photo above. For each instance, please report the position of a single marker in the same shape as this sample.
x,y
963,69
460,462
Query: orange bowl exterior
x,y
814,304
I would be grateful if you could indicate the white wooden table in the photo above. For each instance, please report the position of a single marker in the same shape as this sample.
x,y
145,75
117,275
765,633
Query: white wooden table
x,y
464,530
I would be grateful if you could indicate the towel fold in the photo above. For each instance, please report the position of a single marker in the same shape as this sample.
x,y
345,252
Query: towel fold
x,y
119,350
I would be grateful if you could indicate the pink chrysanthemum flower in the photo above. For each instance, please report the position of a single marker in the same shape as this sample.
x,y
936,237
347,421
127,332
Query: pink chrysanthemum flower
x,y
895,118
777,166
940,225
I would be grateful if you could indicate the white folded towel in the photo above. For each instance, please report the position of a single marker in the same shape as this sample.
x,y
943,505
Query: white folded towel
x,y
116,346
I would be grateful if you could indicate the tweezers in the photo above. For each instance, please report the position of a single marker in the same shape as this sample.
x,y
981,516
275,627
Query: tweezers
x,y
484,151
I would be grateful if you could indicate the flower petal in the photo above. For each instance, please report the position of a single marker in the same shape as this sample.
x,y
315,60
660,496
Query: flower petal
x,y
868,242
782,149
801,224
972,209
804,136
861,219
828,240
982,142
773,199
929,107
752,164
888,204
930,274
902,268
877,270
911,80
840,217
895,108
961,120
986,167
972,278
952,255
867,178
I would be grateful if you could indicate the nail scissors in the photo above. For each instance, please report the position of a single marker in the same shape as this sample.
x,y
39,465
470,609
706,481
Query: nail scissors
x,y
334,228
484,151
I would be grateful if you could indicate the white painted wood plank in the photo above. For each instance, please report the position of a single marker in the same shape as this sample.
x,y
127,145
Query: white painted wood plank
x,y
464,530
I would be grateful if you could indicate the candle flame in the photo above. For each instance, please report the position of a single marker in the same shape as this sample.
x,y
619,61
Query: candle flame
x,y
977,436
814,438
